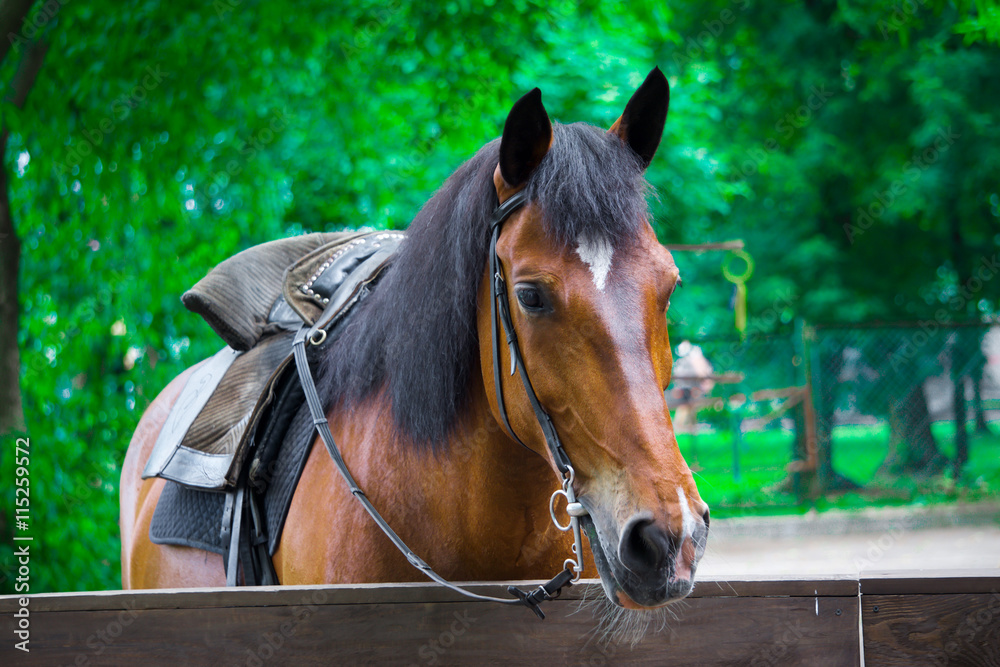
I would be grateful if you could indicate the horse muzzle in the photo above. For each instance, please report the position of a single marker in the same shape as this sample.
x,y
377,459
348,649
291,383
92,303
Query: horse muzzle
x,y
644,565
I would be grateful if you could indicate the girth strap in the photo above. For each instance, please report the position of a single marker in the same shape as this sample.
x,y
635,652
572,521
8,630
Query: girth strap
x,y
244,538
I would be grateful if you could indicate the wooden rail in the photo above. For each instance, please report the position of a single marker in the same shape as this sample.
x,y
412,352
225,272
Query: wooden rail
x,y
894,619
702,247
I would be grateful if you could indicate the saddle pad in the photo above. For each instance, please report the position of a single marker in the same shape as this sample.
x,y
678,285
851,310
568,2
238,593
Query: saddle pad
x,y
186,517
193,518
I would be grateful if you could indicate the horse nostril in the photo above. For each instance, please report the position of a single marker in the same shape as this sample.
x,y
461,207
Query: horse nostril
x,y
643,547
704,517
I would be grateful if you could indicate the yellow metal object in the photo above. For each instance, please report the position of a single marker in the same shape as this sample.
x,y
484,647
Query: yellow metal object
x,y
739,280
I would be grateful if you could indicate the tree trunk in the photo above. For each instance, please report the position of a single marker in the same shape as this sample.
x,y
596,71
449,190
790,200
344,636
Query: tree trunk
x,y
829,479
12,16
11,409
961,435
966,362
912,448
977,400
960,257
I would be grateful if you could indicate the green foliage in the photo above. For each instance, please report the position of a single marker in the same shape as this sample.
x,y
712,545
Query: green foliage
x,y
161,138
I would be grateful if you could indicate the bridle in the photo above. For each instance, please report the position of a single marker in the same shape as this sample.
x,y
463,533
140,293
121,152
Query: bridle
x,y
500,299
572,567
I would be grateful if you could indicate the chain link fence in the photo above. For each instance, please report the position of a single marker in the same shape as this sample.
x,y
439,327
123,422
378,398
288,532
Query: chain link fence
x,y
737,408
902,400
780,419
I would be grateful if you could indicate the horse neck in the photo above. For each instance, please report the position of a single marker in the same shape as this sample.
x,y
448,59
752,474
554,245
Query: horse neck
x,y
477,453
492,454
476,491
501,491
476,505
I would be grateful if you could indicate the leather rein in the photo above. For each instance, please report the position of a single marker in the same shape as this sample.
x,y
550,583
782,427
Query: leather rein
x,y
572,567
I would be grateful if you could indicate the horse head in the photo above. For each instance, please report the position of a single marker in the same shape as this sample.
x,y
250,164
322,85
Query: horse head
x,y
589,285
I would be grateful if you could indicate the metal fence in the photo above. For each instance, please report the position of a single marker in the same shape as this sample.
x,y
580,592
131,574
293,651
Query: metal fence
x,y
918,389
833,408
738,409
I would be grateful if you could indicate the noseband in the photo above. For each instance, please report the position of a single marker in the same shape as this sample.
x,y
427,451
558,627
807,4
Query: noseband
x,y
572,566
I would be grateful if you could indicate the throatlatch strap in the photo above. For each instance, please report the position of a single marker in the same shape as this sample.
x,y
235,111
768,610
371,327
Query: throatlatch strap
x,y
530,600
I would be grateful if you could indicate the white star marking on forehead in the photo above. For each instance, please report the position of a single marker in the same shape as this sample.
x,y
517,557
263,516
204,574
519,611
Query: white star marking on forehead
x,y
597,255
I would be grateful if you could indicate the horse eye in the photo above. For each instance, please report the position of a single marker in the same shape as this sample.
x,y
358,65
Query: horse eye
x,y
673,289
530,298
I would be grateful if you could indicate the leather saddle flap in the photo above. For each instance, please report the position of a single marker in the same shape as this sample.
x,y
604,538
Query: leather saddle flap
x,y
204,441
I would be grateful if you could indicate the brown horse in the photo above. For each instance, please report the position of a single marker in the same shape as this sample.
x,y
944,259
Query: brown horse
x,y
409,387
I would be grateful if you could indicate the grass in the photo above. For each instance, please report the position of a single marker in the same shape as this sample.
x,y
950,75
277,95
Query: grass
x,y
858,451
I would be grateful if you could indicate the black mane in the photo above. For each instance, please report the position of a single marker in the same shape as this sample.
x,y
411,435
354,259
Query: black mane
x,y
416,334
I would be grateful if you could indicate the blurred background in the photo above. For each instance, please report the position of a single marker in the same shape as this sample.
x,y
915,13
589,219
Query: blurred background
x,y
828,179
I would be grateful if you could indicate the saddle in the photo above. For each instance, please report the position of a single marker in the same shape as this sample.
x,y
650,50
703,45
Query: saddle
x,y
234,444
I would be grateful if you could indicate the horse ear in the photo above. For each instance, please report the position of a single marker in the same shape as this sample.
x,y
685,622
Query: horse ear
x,y
527,137
641,124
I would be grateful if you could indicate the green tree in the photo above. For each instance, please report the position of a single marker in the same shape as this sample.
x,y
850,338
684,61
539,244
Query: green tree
x,y
858,159
158,139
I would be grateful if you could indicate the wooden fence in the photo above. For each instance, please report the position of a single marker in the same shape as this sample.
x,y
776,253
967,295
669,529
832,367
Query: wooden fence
x,y
887,619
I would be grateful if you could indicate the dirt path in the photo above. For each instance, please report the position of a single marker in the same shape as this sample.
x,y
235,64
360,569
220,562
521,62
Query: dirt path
x,y
849,543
